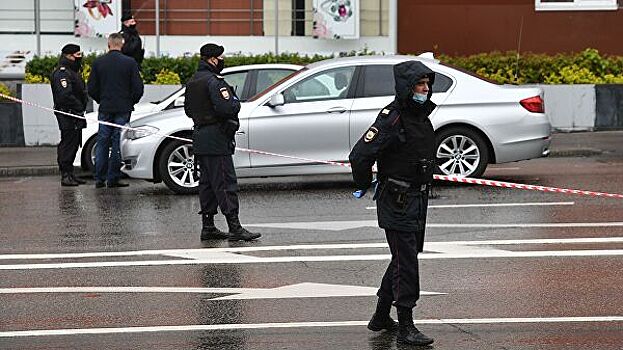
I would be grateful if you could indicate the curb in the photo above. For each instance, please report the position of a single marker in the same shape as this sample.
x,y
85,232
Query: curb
x,y
578,152
29,171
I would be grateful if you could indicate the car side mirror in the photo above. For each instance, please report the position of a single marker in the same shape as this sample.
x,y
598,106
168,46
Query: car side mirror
x,y
179,102
277,100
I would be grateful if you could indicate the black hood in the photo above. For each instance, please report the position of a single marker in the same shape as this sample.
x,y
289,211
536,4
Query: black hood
x,y
407,74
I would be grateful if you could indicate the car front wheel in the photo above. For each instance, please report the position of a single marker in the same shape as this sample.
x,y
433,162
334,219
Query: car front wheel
x,y
461,152
177,168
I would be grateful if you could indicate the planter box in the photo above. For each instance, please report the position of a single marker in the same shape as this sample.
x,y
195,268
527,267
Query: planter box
x,y
11,127
609,106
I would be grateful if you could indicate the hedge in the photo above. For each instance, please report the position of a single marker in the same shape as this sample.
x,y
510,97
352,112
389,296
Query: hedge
x,y
586,67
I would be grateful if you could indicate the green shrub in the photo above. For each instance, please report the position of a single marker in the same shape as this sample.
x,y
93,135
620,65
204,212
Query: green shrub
x,y
167,77
586,67
5,91
36,79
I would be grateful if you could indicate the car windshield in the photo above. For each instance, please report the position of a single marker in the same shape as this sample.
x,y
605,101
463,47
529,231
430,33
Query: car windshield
x,y
270,88
168,96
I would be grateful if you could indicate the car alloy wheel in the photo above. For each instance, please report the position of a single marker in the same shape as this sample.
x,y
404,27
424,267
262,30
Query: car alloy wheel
x,y
461,152
181,166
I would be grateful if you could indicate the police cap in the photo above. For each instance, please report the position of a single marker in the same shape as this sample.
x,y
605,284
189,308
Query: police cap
x,y
211,50
70,49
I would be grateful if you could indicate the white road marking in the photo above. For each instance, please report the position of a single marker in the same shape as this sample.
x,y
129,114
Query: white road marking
x,y
200,252
433,250
300,290
349,225
493,205
444,253
237,326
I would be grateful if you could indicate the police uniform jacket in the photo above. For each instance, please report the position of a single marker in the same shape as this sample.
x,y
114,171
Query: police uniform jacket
x,y
213,106
402,142
69,94
133,45
115,83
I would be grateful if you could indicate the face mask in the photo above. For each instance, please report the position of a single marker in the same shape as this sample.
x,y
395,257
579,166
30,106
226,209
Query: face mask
x,y
220,65
77,64
420,98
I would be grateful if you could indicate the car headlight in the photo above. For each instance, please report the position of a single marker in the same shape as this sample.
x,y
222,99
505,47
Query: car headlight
x,y
140,132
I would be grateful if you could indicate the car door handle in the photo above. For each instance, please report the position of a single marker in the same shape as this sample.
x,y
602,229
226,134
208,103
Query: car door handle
x,y
336,110
240,132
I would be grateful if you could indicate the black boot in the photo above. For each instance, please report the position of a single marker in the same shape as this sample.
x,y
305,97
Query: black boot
x,y
237,232
209,230
68,180
79,181
407,333
381,319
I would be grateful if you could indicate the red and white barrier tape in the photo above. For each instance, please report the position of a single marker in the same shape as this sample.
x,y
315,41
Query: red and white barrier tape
x,y
460,179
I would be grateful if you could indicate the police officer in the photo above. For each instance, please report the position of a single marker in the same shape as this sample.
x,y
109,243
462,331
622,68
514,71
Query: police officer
x,y
133,45
402,142
213,106
69,93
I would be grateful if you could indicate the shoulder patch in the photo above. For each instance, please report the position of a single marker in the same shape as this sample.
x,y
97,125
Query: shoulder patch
x,y
385,111
370,134
224,93
64,83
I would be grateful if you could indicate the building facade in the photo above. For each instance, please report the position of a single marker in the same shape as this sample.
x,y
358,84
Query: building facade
x,y
459,27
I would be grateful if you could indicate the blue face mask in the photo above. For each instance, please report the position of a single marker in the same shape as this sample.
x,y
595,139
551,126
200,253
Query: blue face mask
x,y
420,98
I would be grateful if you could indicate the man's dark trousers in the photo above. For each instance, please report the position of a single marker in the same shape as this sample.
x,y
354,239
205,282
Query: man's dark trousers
x,y
109,168
218,185
67,149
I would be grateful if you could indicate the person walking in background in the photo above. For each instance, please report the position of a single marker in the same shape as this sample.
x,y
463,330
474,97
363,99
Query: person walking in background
x,y
115,83
69,94
133,45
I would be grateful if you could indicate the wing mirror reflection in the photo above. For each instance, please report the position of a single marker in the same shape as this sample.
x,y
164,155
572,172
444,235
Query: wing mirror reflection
x,y
276,100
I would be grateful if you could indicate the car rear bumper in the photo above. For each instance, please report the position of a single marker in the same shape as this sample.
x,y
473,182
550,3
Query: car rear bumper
x,y
533,141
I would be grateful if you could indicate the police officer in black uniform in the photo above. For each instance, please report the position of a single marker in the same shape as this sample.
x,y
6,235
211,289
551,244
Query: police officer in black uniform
x,y
132,43
69,93
402,142
213,106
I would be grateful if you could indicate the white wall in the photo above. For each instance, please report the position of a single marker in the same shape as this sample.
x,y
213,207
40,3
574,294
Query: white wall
x,y
570,107
40,126
179,45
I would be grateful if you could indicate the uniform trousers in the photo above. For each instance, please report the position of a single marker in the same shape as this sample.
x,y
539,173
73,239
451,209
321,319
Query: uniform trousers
x,y
67,149
218,185
401,281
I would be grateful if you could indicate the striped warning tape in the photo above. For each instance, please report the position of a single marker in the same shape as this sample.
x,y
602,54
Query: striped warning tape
x,y
459,179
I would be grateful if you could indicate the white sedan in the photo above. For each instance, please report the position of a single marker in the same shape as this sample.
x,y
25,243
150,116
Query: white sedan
x,y
319,113
247,80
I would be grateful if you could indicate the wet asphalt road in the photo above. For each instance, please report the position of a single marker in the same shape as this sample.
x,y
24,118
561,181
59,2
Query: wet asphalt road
x,y
515,269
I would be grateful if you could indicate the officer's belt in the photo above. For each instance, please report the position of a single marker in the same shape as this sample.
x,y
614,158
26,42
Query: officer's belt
x,y
407,186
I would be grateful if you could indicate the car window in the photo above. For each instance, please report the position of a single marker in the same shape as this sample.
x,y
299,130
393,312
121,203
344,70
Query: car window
x,y
236,80
379,81
267,77
328,85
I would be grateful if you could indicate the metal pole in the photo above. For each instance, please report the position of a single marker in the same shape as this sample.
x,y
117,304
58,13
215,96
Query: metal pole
x,y
157,28
252,15
276,27
38,25
380,17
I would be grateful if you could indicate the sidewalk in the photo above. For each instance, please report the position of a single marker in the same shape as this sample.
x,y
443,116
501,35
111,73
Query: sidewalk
x,y
31,161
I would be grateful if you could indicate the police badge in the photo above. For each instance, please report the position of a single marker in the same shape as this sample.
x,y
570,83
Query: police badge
x,y
370,134
225,93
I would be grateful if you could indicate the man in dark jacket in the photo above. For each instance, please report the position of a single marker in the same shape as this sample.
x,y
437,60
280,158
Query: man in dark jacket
x,y
402,142
114,83
133,45
70,96
213,106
